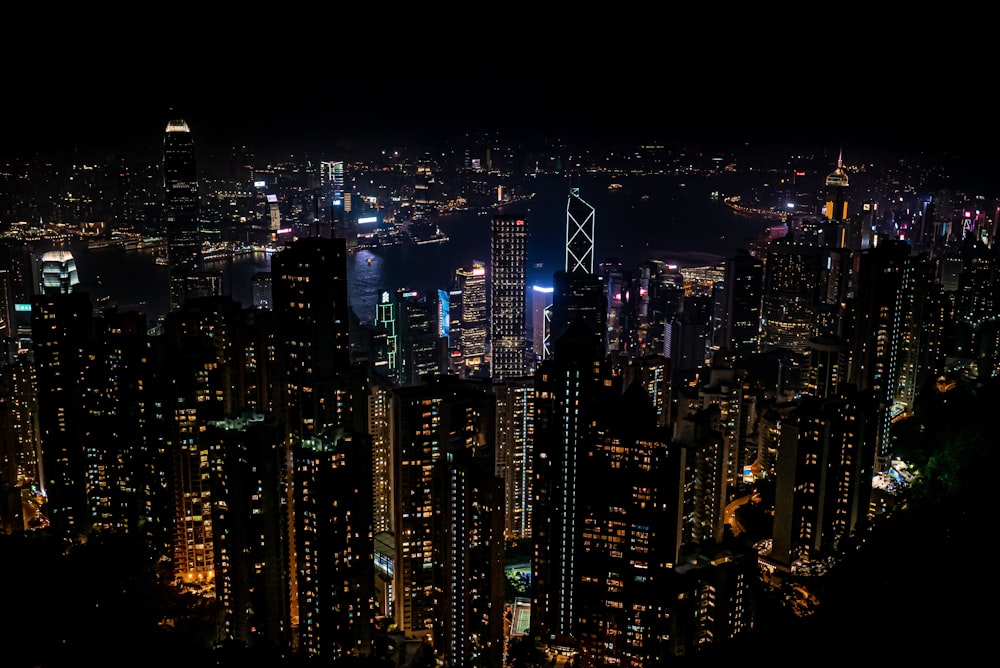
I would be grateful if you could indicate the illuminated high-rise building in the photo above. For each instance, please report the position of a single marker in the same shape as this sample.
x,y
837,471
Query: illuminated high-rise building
x,y
89,373
468,499
793,273
8,327
707,458
19,418
621,315
922,355
568,386
577,291
377,418
686,335
332,173
743,283
728,388
199,346
260,285
653,373
515,443
827,367
433,423
330,504
387,361
248,516
659,289
422,338
60,325
976,297
835,206
309,288
59,273
180,208
332,555
579,234
823,478
606,513
425,192
508,292
878,328
410,335
20,266
472,321
541,319
716,598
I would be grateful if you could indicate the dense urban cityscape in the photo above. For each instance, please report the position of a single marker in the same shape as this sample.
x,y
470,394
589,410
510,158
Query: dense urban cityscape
x,y
777,456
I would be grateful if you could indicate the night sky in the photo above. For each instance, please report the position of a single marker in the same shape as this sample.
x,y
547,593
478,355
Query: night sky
x,y
292,83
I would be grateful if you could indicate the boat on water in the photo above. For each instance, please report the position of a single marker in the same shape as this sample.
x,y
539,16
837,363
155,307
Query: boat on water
x,y
211,252
425,232
614,187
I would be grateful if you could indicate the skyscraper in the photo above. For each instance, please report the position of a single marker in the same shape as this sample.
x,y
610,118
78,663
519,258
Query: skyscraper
x,y
743,281
468,498
508,305
579,295
249,523
878,323
90,396
514,443
59,274
433,422
606,513
309,287
197,346
410,342
621,313
579,233
793,274
835,207
61,327
472,316
568,386
180,207
541,317
331,545
823,477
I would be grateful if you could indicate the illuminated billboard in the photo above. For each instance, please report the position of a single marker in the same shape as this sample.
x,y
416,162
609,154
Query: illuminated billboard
x,y
444,313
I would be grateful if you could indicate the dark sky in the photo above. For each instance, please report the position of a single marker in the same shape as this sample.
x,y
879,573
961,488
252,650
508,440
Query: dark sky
x,y
269,80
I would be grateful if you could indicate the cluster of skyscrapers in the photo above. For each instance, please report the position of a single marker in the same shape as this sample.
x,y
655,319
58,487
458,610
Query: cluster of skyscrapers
x,y
315,476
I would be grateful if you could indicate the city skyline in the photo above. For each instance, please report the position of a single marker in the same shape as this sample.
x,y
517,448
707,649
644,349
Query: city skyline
x,y
291,362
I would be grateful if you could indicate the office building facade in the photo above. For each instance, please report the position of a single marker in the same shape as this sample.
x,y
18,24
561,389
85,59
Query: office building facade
x,y
508,306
